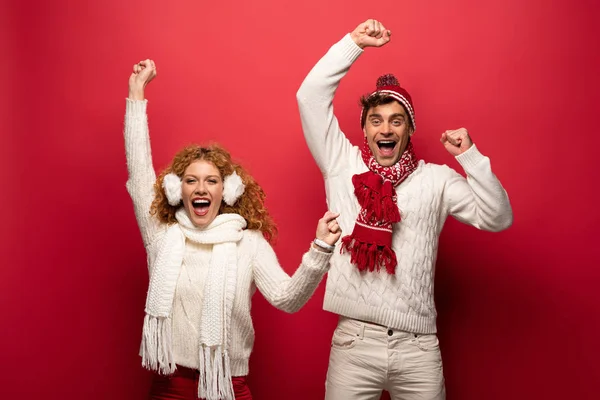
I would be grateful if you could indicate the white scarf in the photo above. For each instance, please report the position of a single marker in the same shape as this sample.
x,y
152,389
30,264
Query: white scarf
x,y
219,291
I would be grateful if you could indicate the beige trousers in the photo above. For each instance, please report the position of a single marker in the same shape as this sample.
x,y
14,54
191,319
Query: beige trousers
x,y
366,359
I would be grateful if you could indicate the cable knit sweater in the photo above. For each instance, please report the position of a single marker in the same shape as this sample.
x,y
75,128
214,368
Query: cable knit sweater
x,y
432,192
257,262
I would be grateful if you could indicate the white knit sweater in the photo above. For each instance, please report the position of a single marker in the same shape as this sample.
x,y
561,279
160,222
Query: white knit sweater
x,y
432,192
257,262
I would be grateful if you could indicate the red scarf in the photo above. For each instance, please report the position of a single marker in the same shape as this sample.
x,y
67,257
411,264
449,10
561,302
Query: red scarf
x,y
370,244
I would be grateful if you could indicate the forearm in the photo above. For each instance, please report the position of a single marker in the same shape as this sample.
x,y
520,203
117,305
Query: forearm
x,y
488,207
291,293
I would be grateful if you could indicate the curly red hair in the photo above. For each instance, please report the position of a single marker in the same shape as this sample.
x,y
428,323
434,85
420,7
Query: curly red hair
x,y
250,205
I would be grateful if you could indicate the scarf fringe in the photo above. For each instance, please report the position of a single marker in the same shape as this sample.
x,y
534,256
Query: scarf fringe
x,y
228,381
368,256
202,375
214,382
157,354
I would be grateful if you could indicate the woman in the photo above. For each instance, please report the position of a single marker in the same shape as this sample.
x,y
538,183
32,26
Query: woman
x,y
204,224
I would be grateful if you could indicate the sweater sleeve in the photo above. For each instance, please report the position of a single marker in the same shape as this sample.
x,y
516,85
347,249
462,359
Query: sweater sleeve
x,y
140,183
287,293
479,200
326,141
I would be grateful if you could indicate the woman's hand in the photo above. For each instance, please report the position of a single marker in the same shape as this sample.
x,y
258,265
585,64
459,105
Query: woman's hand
x,y
143,73
328,229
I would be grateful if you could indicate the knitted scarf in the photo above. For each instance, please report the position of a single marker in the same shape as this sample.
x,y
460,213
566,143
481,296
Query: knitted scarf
x,y
370,244
219,291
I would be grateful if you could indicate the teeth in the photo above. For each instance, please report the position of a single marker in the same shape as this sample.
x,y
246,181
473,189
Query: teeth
x,y
386,142
202,201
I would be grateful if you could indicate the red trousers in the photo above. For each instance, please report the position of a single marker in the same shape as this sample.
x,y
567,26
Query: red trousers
x,y
183,385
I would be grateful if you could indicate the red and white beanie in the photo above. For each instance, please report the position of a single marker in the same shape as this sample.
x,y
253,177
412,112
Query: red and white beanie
x,y
388,85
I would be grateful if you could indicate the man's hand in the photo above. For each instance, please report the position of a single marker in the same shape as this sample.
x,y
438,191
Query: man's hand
x,y
456,141
143,73
370,33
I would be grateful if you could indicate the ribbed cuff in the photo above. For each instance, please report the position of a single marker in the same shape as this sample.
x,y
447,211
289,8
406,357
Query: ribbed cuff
x,y
349,49
317,259
239,367
470,158
135,107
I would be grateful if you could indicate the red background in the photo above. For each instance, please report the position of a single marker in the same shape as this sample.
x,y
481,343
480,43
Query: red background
x,y
518,310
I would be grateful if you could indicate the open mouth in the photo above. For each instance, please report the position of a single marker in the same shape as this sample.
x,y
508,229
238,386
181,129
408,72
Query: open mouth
x,y
386,147
201,206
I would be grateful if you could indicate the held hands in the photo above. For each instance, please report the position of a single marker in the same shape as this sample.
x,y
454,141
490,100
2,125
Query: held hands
x,y
328,229
370,33
143,73
456,141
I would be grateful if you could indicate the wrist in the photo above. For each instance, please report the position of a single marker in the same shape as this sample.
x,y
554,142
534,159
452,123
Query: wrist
x,y
136,93
354,38
323,246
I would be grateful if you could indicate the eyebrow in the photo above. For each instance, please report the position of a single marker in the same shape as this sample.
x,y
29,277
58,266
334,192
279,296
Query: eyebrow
x,y
207,177
396,115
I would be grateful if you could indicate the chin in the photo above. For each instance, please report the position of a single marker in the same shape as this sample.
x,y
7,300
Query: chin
x,y
204,221
387,162
198,222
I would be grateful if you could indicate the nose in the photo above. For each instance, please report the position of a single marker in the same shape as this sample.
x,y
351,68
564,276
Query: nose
x,y
200,188
386,128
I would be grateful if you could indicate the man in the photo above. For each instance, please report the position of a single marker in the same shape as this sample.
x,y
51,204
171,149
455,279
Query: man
x,y
381,284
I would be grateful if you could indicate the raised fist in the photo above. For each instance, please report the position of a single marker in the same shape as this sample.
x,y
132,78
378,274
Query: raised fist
x,y
370,33
143,73
456,141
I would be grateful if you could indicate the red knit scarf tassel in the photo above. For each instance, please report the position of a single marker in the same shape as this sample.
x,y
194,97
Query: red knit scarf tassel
x,y
368,256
